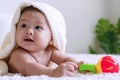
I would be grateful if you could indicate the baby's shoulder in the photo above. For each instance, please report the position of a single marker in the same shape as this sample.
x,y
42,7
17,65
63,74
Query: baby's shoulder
x,y
19,52
51,48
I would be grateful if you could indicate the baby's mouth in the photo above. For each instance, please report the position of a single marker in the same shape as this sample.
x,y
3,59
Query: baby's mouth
x,y
29,40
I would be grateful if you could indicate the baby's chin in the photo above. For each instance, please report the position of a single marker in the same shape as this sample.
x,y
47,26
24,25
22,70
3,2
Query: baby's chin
x,y
33,48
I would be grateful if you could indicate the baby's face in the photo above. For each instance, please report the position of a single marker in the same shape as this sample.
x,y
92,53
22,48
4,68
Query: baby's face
x,y
33,33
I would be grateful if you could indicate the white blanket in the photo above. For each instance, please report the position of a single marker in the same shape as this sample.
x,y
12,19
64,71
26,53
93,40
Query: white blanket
x,y
89,58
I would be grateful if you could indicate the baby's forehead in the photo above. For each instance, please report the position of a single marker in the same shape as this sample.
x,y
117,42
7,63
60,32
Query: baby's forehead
x,y
25,16
31,8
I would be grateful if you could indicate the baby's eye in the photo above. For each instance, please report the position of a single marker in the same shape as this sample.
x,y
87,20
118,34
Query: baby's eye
x,y
23,25
38,27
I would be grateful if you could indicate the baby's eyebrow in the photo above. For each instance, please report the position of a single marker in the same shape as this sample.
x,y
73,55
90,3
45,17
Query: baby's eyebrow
x,y
22,19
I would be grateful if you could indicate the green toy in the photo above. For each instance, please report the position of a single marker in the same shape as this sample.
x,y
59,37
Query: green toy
x,y
83,68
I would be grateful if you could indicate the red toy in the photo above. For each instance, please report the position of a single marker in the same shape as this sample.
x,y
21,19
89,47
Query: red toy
x,y
107,64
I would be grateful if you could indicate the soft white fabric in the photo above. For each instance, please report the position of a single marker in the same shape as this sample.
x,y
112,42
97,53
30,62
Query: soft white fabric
x,y
54,18
5,23
3,67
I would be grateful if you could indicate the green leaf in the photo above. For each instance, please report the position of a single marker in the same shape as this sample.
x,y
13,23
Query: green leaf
x,y
118,27
91,50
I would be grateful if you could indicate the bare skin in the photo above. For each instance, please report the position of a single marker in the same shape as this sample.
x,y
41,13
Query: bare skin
x,y
34,52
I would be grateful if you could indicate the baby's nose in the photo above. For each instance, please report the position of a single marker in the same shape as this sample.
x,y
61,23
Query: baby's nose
x,y
29,32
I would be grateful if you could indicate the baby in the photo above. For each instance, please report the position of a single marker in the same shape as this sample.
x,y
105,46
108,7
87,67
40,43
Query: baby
x,y
35,46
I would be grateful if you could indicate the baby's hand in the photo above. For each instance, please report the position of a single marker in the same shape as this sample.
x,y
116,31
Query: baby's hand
x,y
65,69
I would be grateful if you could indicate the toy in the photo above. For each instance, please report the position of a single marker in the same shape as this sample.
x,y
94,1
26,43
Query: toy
x,y
106,64
83,68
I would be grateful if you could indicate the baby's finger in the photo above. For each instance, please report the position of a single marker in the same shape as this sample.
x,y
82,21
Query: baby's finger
x,y
70,68
73,64
69,73
81,62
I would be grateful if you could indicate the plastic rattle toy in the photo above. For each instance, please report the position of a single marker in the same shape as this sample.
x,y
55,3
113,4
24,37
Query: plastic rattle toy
x,y
84,68
106,64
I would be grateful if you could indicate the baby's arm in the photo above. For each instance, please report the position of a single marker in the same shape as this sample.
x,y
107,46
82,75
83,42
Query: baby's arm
x,y
24,64
59,57
67,65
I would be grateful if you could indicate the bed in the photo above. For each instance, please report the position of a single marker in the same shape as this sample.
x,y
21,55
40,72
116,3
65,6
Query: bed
x,y
5,20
